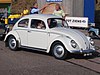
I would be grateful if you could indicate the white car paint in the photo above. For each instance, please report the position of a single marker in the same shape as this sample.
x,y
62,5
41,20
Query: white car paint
x,y
43,39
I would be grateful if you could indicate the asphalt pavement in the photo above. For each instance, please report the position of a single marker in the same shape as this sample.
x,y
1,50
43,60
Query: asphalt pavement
x,y
28,62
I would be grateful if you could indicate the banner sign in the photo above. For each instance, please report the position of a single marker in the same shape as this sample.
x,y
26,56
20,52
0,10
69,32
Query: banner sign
x,y
54,0
77,21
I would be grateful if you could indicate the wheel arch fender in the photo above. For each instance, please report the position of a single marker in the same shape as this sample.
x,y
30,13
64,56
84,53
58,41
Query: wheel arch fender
x,y
64,40
15,35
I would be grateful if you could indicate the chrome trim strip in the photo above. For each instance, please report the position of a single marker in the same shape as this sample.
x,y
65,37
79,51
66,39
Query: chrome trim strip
x,y
33,48
32,30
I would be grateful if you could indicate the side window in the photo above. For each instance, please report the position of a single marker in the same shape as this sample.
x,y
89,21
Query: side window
x,y
23,23
52,23
37,24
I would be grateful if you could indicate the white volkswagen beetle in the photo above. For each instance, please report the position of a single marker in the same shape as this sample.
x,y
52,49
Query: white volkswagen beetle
x,y
48,33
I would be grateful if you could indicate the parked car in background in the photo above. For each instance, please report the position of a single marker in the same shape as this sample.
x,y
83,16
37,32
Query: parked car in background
x,y
4,29
48,33
94,31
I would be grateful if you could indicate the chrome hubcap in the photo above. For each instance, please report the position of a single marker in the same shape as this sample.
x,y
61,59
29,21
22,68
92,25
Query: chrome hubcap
x,y
58,51
12,43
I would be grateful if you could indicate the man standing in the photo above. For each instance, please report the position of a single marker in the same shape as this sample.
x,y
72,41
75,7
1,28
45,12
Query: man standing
x,y
35,9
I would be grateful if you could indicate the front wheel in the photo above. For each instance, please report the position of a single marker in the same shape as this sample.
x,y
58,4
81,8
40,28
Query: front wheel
x,y
59,51
12,43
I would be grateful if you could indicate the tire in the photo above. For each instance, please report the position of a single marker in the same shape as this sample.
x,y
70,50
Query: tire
x,y
12,43
59,51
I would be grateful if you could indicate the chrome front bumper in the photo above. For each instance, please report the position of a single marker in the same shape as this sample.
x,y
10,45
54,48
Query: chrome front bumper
x,y
83,51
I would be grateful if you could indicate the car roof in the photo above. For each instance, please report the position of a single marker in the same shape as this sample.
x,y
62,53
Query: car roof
x,y
41,16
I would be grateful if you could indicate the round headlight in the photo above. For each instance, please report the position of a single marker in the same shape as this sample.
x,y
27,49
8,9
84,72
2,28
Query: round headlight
x,y
73,44
92,42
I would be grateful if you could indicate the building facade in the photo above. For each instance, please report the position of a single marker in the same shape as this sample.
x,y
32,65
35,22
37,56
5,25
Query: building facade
x,y
75,8
5,6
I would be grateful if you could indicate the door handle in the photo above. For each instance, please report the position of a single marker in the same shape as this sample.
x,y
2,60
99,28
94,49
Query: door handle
x,y
49,33
29,31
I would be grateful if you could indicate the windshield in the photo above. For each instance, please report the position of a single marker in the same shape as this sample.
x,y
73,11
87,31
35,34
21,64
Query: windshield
x,y
56,22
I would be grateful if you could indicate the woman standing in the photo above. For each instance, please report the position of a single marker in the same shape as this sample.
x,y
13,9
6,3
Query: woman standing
x,y
58,11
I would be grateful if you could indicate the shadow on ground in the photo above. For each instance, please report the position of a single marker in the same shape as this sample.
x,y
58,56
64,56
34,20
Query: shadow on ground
x,y
70,56
34,51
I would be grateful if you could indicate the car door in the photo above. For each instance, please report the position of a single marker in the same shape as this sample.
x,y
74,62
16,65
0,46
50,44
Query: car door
x,y
22,31
37,36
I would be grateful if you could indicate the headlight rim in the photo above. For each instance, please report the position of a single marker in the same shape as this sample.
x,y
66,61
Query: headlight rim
x,y
73,44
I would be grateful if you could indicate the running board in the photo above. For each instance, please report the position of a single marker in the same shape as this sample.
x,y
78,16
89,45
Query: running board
x,y
33,48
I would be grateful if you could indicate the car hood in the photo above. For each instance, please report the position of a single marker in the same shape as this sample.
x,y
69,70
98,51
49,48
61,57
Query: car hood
x,y
75,35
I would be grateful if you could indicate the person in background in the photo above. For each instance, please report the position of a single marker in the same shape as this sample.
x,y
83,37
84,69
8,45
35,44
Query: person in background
x,y
25,11
7,28
96,1
58,11
35,9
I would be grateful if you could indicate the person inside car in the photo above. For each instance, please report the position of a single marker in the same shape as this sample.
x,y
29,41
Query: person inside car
x,y
40,25
52,23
